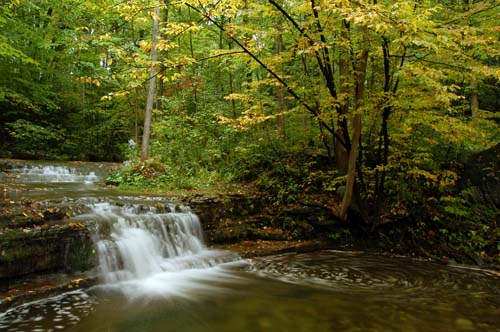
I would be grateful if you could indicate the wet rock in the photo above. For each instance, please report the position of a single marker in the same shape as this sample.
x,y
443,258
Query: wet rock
x,y
229,218
29,214
67,247
315,214
232,218
6,165
41,287
210,209
257,248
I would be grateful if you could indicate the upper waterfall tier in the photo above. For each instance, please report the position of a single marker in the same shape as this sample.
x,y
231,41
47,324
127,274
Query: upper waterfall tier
x,y
53,173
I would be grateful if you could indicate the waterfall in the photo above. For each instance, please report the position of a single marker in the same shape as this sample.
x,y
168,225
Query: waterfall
x,y
52,173
146,249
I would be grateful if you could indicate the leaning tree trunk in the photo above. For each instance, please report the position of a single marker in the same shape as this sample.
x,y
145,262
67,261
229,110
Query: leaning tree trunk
x,y
351,168
152,85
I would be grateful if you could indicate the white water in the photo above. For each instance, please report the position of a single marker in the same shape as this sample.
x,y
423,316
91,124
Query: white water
x,y
51,173
145,251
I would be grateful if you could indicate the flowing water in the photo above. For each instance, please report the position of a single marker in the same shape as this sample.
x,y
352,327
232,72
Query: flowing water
x,y
44,180
157,275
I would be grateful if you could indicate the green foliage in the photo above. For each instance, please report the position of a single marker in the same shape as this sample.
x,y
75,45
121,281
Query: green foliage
x,y
189,142
341,236
249,94
276,162
427,154
155,175
297,229
149,175
7,50
33,141
44,86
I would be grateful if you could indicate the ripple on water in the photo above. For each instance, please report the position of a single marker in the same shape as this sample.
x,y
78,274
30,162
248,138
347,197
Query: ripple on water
x,y
56,313
358,272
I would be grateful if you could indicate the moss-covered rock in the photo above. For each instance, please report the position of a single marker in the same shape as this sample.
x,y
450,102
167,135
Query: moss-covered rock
x,y
233,218
66,247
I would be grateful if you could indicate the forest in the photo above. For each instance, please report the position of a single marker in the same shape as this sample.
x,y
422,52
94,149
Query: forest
x,y
385,112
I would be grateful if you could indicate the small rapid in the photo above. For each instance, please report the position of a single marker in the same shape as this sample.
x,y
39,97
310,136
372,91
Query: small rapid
x,y
52,173
42,180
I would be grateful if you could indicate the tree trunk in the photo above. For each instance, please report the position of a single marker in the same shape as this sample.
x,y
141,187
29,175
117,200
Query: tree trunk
x,y
152,85
280,91
345,59
351,170
231,79
360,70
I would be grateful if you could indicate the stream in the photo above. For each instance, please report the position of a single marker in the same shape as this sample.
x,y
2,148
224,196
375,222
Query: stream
x,y
158,275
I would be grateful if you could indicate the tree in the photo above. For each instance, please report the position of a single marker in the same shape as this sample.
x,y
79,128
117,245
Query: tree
x,y
152,83
229,72
59,96
8,51
365,58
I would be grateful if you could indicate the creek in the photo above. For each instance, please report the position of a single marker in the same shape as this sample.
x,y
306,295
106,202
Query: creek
x,y
158,275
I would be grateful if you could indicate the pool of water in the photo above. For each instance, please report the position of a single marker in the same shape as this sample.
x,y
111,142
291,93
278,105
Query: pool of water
x,y
322,291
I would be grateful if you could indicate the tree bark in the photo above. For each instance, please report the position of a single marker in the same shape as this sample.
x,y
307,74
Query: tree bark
x,y
152,85
351,170
280,91
345,59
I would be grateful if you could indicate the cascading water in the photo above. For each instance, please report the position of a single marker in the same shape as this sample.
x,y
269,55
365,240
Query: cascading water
x,y
146,250
41,180
52,173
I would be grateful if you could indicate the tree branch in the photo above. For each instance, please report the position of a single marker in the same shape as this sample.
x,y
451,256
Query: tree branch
x,y
324,67
467,16
270,71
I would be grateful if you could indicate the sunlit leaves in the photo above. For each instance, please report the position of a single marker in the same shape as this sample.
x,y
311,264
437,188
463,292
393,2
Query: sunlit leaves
x,y
90,80
239,96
